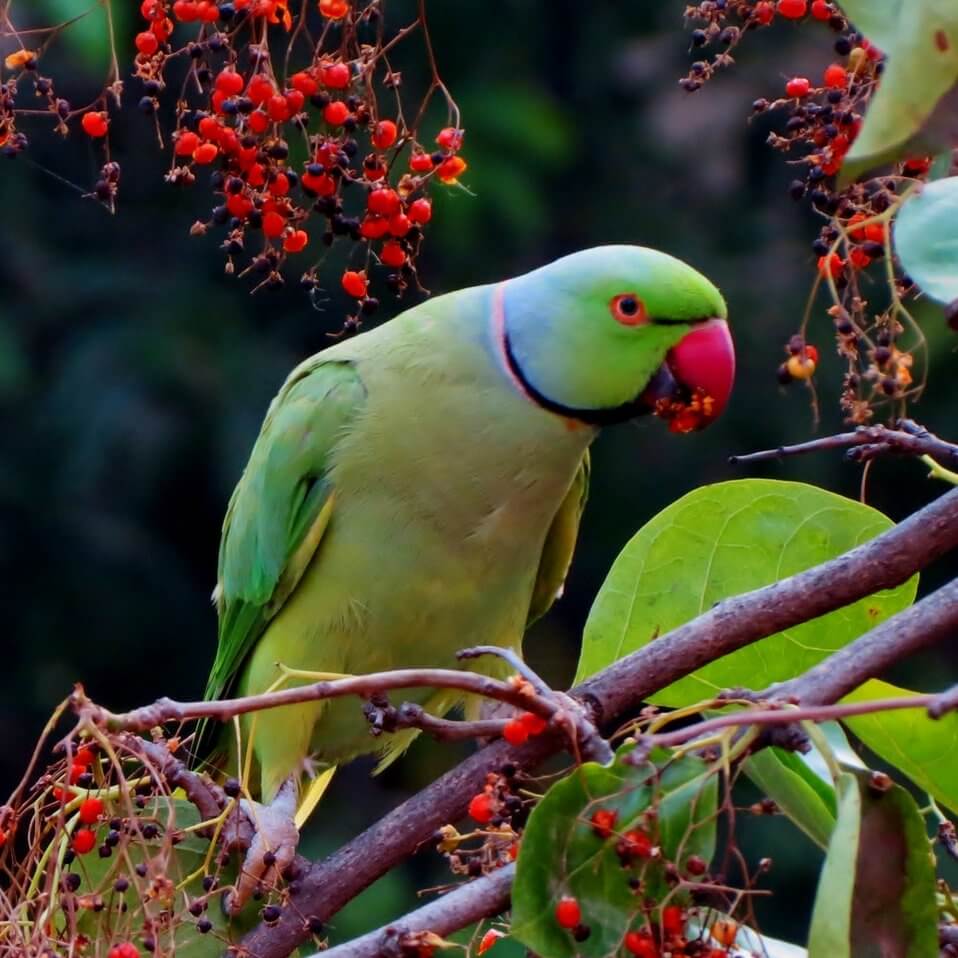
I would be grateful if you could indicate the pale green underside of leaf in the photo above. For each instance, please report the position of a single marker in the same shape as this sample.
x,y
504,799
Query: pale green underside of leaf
x,y
722,540
920,39
926,239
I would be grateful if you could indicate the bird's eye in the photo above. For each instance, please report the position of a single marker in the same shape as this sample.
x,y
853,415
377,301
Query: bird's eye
x,y
628,309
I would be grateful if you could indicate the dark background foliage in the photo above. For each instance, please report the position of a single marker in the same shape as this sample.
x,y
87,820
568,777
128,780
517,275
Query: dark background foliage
x,y
134,375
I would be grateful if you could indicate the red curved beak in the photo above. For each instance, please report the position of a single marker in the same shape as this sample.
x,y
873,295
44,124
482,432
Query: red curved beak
x,y
694,383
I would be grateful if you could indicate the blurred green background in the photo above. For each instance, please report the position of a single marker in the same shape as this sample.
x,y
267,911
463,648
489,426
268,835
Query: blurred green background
x,y
134,374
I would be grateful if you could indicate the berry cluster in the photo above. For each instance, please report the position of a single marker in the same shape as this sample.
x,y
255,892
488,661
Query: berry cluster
x,y
281,106
875,335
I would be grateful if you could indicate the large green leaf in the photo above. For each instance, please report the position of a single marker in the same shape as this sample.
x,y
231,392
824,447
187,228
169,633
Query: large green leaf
x,y
924,749
563,855
876,893
920,38
720,541
797,790
926,239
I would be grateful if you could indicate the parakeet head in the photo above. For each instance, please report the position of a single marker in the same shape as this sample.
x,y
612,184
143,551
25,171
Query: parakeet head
x,y
611,332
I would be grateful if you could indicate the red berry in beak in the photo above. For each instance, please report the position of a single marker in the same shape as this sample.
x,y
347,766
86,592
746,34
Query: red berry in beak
x,y
704,360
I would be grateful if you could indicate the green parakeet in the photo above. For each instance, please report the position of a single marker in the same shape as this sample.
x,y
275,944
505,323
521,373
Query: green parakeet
x,y
417,489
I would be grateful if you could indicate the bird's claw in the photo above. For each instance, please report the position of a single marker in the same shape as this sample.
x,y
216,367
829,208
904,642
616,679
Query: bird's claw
x,y
271,849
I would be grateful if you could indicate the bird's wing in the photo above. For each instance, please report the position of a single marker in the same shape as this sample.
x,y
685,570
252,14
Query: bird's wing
x,y
280,509
560,544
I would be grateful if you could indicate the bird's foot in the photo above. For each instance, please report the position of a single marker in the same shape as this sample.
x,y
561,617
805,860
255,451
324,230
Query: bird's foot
x,y
272,847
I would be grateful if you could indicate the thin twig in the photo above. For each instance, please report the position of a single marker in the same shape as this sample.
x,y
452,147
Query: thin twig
x,y
867,443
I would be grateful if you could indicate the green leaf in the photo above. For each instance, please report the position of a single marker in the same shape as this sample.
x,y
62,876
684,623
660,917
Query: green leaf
x,y
922,748
797,790
720,541
876,892
561,853
926,238
920,38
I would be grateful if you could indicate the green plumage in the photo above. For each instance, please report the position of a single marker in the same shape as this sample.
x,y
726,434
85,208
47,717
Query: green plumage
x,y
406,497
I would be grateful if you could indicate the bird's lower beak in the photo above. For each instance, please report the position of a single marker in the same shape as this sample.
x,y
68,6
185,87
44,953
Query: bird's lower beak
x,y
693,385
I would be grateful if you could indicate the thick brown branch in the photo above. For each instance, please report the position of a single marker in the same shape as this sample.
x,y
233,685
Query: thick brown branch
x,y
869,442
457,909
926,622
614,693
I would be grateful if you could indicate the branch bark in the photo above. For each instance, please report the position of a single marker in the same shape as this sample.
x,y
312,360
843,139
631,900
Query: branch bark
x,y
612,694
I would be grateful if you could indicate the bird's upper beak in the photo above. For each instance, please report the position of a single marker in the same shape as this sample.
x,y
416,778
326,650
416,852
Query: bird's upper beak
x,y
693,385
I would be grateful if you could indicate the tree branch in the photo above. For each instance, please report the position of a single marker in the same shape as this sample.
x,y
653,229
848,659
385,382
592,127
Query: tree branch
x,y
932,619
465,905
869,442
612,694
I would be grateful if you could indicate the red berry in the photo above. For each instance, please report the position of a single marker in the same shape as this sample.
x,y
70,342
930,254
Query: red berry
x,y
640,944
305,82
535,724
277,108
126,950
482,807
296,241
84,756
336,113
209,12
295,101
260,89
764,12
384,202
239,205
76,773
152,9
859,258
3,838
488,940
95,124
83,841
792,9
835,76
603,821
258,122
393,255
451,168
673,920
797,87
725,932
399,225
279,185
917,165
634,844
384,135
321,185
147,43
256,175
830,265
821,10
450,138
420,211
515,733
374,227
205,153
90,810
334,9
420,162
186,11
875,232
186,143
568,912
273,224
354,283
336,76
162,29
229,81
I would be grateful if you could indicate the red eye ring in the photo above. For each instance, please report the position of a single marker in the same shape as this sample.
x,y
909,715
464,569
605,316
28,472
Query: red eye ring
x,y
628,309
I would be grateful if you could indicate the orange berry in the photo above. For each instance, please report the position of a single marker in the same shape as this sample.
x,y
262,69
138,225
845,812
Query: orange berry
x,y
296,241
334,9
186,143
83,841
393,255
725,932
95,124
451,168
603,821
831,265
205,153
876,232
481,807
568,913
384,135
354,283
